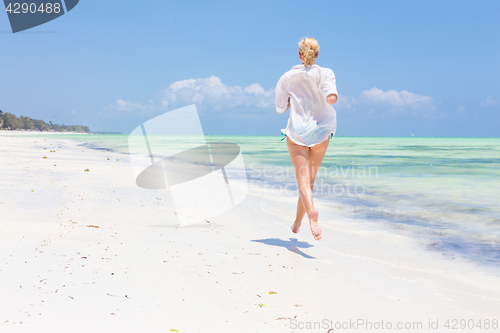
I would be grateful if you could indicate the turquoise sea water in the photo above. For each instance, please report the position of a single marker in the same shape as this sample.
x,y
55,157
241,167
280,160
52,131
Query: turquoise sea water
x,y
443,191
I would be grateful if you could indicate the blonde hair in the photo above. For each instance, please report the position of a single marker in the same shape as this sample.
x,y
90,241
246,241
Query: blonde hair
x,y
309,49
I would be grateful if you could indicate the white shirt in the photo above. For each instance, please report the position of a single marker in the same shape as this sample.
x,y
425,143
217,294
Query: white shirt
x,y
312,119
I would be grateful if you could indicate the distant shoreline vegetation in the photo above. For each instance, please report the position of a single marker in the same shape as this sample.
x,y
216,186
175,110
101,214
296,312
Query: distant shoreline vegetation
x,y
9,121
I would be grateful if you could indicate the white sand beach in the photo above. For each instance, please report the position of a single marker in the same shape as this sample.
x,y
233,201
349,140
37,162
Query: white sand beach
x,y
89,251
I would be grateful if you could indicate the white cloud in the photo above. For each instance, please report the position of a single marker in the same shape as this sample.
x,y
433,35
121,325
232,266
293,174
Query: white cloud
x,y
388,104
121,106
346,103
127,106
398,100
211,94
490,101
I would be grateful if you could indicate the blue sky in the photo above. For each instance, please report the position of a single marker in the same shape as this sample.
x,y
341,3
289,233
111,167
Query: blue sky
x,y
430,68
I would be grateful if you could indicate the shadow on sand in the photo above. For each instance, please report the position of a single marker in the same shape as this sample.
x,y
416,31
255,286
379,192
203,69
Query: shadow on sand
x,y
292,245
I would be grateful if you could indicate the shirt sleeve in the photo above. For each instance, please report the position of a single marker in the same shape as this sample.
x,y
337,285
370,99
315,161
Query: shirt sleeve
x,y
329,85
281,95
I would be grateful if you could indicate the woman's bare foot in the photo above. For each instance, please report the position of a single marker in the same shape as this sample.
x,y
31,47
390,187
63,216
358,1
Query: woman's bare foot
x,y
296,226
313,221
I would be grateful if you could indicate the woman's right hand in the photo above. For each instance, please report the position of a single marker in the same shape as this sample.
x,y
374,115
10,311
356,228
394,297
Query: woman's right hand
x,y
331,99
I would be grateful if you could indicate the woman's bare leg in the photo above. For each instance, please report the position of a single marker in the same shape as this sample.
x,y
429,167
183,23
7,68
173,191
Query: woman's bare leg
x,y
315,157
301,211
306,162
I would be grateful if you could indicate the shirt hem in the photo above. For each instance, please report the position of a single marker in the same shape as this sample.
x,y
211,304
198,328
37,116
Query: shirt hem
x,y
304,145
